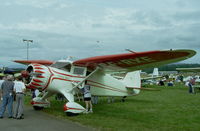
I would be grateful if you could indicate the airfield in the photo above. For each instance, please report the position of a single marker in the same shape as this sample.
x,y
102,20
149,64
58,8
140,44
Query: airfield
x,y
170,108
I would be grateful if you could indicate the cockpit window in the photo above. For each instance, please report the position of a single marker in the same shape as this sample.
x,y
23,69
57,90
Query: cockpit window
x,y
62,65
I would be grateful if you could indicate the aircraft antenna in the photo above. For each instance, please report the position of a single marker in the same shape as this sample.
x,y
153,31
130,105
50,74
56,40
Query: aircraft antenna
x,y
129,50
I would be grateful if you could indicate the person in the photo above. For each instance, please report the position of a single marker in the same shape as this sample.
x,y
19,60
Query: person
x,y
170,83
2,79
33,93
191,85
161,83
37,92
87,98
111,99
7,95
19,89
94,99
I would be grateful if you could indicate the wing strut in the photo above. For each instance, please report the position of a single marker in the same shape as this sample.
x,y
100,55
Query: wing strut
x,y
76,85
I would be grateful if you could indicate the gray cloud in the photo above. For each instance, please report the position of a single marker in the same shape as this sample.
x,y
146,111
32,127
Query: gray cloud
x,y
65,28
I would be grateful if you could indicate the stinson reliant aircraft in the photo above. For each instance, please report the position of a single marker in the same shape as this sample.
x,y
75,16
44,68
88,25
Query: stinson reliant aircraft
x,y
65,76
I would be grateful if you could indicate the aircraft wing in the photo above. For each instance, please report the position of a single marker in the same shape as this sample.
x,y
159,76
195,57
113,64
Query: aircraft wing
x,y
149,78
27,62
135,61
196,69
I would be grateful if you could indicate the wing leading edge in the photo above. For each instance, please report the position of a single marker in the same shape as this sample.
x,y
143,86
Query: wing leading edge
x,y
135,61
26,62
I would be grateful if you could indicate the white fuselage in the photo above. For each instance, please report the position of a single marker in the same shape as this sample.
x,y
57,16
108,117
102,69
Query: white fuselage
x,y
57,80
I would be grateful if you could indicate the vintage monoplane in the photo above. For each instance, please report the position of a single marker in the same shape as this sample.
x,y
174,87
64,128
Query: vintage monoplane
x,y
65,76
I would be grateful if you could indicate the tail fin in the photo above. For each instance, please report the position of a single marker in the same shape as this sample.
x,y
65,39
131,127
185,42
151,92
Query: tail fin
x,y
132,79
155,72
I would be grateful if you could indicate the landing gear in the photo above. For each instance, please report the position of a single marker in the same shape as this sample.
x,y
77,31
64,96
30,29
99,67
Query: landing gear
x,y
39,104
71,114
37,108
73,109
123,98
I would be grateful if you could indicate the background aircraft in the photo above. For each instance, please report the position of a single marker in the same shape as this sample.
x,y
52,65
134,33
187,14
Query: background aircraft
x,y
195,70
65,76
7,70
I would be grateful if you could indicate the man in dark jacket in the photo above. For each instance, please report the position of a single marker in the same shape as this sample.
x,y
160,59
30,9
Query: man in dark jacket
x,y
7,95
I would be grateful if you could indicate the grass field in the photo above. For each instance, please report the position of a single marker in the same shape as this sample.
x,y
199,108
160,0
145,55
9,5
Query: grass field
x,y
171,108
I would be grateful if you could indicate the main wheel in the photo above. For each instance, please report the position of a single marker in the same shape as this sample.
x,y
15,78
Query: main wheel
x,y
71,114
37,108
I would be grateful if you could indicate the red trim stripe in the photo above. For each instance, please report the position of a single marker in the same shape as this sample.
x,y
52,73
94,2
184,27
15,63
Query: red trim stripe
x,y
63,79
106,86
38,71
31,87
38,68
37,65
49,78
35,84
65,108
37,80
68,75
40,76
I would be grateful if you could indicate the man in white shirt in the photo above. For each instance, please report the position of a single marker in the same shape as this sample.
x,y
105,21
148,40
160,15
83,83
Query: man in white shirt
x,y
19,89
1,81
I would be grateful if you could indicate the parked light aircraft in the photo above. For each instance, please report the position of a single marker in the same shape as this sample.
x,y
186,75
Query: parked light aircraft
x,y
194,69
65,76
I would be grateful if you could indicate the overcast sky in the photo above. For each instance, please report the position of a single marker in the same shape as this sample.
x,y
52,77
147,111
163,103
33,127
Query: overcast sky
x,y
85,28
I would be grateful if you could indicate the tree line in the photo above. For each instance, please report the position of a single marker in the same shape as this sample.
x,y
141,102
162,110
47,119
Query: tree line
x,y
172,67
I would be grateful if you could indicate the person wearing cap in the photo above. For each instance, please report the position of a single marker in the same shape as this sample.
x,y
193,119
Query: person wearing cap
x,y
7,95
19,89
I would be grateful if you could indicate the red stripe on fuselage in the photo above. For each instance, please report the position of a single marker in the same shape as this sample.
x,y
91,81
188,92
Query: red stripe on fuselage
x,y
38,68
40,76
35,84
38,71
48,79
100,83
63,79
37,80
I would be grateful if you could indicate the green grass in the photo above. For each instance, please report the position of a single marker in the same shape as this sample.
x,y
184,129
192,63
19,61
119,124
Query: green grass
x,y
171,108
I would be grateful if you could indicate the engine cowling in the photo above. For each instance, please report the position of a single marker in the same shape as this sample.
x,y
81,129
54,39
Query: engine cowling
x,y
37,76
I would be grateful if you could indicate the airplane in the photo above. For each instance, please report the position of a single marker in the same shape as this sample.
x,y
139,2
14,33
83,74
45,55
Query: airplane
x,y
65,77
150,79
193,69
8,70
188,78
154,75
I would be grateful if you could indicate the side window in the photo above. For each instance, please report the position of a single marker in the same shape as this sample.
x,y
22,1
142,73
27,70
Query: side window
x,y
79,71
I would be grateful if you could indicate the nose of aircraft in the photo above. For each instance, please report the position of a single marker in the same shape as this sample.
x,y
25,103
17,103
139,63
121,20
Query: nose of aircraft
x,y
25,73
